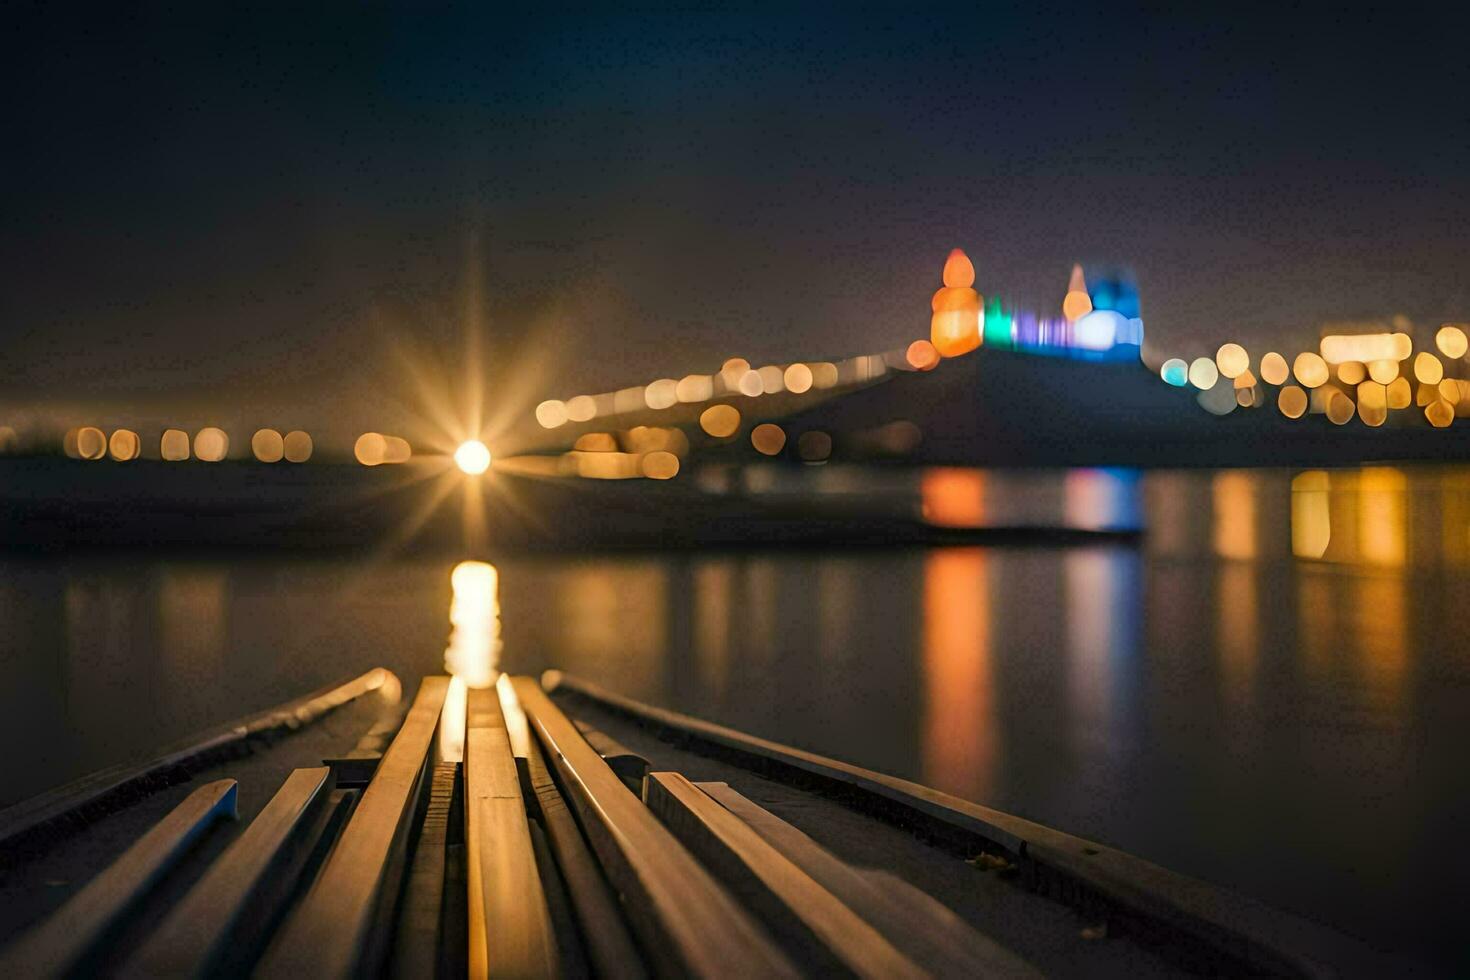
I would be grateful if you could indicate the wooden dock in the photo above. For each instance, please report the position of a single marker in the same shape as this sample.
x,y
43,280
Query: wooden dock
x,y
582,834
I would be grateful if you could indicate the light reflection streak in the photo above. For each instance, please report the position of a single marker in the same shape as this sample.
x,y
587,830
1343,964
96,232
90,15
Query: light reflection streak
x,y
961,741
1102,639
1237,632
953,496
472,657
713,626
1234,494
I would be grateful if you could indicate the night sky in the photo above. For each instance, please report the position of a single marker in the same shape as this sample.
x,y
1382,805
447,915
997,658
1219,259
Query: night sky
x,y
260,214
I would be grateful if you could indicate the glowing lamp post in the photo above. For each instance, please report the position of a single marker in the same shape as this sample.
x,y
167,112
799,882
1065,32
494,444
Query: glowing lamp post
x,y
472,457
955,327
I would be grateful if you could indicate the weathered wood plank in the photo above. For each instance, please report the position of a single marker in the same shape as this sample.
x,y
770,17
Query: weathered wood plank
x,y
510,932
196,930
417,951
72,803
1163,901
681,914
62,941
925,929
629,765
811,919
609,946
338,928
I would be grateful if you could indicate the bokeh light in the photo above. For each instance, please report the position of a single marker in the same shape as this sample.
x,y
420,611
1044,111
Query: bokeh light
x,y
1340,408
732,371
551,413
1400,393
211,444
584,407
1098,330
1310,369
1274,369
1203,374
1232,359
1440,413
1337,348
1451,341
1292,402
660,465
750,384
472,457
396,450
268,446
596,442
91,443
768,439
921,355
954,328
1427,369
959,271
798,379
824,375
1383,371
297,446
1372,403
1351,372
1175,372
370,448
124,445
174,445
694,388
720,421
1077,302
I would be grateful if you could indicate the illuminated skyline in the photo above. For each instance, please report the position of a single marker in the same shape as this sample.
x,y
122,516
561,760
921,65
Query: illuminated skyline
x,y
274,207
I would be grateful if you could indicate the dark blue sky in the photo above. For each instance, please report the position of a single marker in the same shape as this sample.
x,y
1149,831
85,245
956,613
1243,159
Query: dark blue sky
x,y
253,204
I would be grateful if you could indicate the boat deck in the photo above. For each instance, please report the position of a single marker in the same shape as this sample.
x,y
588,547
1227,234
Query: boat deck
x,y
572,832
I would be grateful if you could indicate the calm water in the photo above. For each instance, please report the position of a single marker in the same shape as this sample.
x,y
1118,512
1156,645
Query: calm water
x,y
1270,691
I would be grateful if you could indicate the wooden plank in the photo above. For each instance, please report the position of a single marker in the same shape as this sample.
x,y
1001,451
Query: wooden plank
x,y
1162,901
609,946
629,765
196,930
61,942
417,950
925,929
828,934
683,917
75,801
510,932
340,925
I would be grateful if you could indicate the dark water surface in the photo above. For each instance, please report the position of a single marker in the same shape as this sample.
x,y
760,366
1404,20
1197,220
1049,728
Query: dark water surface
x,y
1270,691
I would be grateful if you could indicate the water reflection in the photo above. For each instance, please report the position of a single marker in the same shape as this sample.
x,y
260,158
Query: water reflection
x,y
473,654
960,737
1277,643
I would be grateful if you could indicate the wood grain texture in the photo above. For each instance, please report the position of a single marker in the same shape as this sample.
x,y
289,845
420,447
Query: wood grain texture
x,y
686,922
826,932
417,950
609,946
190,938
510,933
337,929
59,943
1253,934
926,930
